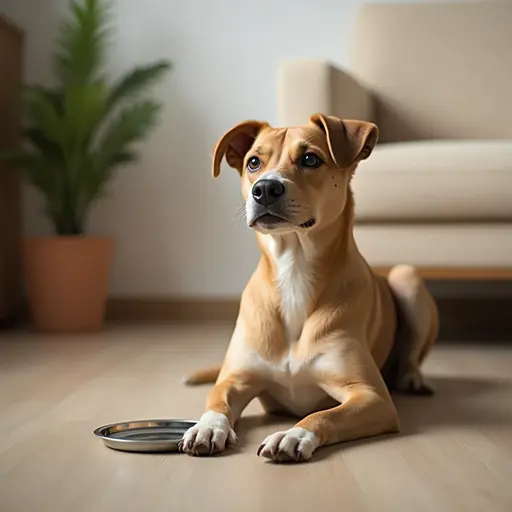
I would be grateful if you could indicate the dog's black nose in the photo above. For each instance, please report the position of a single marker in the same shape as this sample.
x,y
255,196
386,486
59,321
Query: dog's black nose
x,y
266,192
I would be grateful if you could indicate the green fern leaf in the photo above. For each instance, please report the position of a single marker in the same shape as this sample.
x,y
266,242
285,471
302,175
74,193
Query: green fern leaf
x,y
42,144
78,133
129,126
81,46
34,166
137,81
41,110
85,108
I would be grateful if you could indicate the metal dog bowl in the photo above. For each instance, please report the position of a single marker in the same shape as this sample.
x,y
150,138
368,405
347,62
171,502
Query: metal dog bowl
x,y
148,436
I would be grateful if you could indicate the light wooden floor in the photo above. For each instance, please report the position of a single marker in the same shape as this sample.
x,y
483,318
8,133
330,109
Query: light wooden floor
x,y
455,453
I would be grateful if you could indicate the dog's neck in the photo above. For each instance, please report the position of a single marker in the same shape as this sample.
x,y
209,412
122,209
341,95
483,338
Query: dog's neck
x,y
334,244
302,263
313,248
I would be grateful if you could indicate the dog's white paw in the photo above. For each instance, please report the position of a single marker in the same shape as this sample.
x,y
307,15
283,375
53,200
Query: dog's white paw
x,y
212,434
296,444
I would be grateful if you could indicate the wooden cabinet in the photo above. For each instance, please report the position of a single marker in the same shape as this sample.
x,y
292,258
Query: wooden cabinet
x,y
11,61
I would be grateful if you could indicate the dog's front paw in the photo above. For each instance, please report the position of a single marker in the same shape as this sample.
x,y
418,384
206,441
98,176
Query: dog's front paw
x,y
294,445
212,434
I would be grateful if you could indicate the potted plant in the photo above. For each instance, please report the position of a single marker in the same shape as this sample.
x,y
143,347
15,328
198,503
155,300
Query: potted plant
x,y
78,133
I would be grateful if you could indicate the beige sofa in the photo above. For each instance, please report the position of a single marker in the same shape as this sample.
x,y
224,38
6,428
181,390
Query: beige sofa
x,y
437,79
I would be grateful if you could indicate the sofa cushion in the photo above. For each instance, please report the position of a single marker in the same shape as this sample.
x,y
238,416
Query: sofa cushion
x,y
449,180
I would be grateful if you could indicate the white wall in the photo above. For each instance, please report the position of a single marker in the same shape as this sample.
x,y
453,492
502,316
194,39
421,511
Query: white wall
x,y
176,228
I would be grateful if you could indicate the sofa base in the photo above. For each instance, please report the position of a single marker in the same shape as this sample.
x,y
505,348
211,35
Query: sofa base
x,y
458,273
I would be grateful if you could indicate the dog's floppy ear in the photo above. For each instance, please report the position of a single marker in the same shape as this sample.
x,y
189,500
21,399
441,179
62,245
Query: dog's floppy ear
x,y
349,141
234,145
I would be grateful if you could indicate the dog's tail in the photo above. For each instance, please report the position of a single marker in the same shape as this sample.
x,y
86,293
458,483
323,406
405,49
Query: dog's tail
x,y
203,376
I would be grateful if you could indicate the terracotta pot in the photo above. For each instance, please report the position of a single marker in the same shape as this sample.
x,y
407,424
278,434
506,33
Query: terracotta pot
x,y
67,281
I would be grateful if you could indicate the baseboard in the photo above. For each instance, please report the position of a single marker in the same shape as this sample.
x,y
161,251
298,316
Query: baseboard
x,y
140,310
479,318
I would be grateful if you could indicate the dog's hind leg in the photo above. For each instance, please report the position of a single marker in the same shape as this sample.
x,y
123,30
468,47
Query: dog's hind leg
x,y
418,311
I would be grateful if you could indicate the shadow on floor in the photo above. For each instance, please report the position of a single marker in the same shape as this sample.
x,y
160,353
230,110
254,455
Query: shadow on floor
x,y
457,402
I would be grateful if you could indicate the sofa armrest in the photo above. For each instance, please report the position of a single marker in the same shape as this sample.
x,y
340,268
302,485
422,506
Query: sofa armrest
x,y
306,87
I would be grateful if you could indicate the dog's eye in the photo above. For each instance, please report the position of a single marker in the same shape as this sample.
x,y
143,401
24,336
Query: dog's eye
x,y
311,161
253,164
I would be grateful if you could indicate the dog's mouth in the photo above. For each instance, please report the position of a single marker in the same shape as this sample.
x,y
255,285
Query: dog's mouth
x,y
309,223
271,221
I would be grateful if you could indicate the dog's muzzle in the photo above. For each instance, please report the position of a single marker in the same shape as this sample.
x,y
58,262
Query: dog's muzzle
x,y
266,191
269,206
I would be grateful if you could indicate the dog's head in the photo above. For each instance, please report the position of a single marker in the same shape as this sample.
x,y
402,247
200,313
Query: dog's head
x,y
295,179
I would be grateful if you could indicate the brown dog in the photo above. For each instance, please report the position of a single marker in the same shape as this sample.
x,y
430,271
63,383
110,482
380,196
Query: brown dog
x,y
318,334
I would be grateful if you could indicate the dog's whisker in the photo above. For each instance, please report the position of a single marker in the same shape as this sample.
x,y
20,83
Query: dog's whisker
x,y
305,204
298,209
241,214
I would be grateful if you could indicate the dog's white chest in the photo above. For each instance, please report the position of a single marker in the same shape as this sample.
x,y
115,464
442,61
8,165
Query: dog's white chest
x,y
293,385
292,381
294,279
